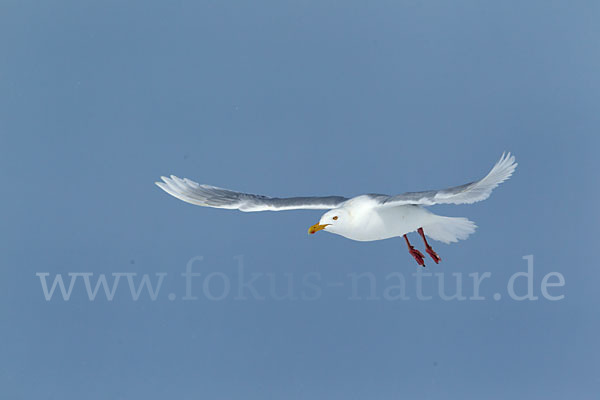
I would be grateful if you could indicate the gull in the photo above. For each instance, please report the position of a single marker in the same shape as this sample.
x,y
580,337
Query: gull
x,y
366,217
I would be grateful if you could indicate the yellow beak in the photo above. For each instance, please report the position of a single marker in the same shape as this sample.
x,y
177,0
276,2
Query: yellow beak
x,y
316,228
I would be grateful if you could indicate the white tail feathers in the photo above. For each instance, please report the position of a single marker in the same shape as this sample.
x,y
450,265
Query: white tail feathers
x,y
449,229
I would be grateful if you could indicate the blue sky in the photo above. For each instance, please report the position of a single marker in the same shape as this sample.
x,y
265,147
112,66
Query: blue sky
x,y
97,100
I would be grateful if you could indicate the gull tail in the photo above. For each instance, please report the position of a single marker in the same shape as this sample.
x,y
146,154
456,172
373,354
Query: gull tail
x,y
449,229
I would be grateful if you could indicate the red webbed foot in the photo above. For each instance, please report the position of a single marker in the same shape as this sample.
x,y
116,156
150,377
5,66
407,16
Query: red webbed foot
x,y
418,256
428,248
433,255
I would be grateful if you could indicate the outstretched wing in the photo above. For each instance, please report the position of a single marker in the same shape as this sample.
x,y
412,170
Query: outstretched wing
x,y
468,193
212,196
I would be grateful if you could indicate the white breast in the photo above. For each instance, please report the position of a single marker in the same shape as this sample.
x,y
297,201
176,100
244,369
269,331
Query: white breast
x,y
370,222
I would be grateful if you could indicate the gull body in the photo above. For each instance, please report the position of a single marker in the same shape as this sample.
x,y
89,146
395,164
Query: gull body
x,y
360,219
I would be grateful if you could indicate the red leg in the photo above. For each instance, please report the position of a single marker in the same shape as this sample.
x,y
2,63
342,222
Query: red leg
x,y
418,256
428,248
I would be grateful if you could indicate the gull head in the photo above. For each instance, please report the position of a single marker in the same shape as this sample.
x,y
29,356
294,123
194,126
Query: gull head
x,y
332,221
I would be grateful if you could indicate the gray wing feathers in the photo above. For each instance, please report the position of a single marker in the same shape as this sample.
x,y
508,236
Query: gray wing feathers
x,y
468,193
212,196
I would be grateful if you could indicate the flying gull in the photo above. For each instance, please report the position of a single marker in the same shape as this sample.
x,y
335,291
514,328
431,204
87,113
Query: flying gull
x,y
366,217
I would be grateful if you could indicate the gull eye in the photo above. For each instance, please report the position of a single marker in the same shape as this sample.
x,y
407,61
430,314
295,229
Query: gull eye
x,y
335,218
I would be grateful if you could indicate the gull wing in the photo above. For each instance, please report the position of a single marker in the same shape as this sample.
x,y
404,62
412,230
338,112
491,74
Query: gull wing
x,y
467,193
212,196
